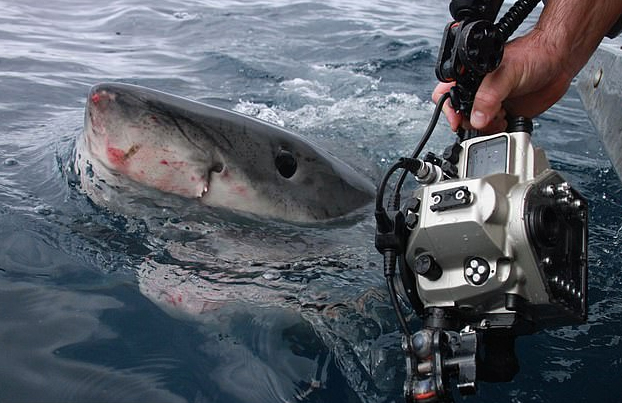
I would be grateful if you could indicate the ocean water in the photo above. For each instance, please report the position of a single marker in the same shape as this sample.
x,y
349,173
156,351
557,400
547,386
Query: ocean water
x,y
209,306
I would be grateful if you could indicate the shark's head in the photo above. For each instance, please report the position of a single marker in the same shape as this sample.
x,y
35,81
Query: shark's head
x,y
221,157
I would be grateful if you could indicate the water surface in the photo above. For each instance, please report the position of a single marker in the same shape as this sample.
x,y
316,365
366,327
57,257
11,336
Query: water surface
x,y
271,311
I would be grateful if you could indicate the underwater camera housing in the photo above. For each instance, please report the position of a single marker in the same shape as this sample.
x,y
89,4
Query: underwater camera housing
x,y
495,247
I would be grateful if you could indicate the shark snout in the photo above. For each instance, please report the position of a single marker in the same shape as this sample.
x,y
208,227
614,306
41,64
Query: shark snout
x,y
99,110
100,99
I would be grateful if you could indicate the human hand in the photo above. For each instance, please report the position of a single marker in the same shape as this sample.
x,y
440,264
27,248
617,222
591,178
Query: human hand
x,y
532,76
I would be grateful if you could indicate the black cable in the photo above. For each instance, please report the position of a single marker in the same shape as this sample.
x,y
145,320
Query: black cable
x,y
433,121
424,139
396,306
385,224
383,185
514,17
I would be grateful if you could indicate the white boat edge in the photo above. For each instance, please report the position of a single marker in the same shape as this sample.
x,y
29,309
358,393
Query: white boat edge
x,y
600,88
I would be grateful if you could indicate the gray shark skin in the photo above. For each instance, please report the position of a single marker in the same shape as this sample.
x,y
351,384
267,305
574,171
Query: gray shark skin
x,y
135,136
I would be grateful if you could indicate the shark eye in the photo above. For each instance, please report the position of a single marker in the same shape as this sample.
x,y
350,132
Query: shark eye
x,y
285,163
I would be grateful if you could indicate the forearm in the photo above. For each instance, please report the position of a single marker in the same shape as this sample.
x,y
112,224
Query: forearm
x,y
574,28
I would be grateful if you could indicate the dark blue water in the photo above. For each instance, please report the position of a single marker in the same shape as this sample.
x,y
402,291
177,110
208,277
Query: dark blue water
x,y
100,307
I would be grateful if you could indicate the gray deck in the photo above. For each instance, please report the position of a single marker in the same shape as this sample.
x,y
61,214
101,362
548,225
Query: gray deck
x,y
600,89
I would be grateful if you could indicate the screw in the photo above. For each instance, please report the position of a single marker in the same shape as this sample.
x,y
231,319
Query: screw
x,y
563,187
548,190
436,199
577,204
597,77
411,219
459,195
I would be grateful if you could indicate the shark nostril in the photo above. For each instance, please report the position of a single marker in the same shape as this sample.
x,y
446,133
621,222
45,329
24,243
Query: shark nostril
x,y
286,164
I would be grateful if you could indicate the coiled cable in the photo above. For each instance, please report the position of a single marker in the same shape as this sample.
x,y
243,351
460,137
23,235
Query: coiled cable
x,y
514,17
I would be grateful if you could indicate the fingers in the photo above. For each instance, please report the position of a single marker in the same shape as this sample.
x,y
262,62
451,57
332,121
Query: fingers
x,y
487,105
488,114
440,89
497,124
453,117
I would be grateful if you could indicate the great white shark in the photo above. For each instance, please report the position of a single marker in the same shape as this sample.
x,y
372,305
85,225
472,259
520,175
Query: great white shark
x,y
222,158
141,141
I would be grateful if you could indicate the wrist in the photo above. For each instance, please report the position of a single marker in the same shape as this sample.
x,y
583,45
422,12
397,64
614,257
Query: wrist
x,y
550,54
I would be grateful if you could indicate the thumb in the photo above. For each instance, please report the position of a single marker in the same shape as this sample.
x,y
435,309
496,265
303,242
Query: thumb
x,y
493,90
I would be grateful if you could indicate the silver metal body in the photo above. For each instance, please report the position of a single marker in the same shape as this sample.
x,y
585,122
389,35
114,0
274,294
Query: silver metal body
x,y
491,226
